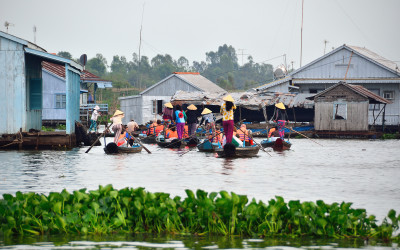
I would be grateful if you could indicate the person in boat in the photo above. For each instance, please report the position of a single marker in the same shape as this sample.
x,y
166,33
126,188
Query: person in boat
x,y
272,130
280,119
158,128
209,120
171,133
180,119
117,124
132,126
93,119
151,130
244,135
168,113
125,137
227,109
218,135
192,116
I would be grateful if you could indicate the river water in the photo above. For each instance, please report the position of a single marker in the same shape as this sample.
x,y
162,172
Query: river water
x,y
364,172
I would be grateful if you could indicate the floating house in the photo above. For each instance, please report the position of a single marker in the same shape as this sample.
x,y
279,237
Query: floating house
x,y
21,82
54,93
344,108
150,103
354,65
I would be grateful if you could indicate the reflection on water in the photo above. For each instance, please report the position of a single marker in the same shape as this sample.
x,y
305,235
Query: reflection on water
x,y
143,241
360,171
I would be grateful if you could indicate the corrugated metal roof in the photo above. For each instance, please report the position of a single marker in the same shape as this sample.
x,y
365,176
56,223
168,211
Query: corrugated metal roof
x,y
355,81
192,78
249,100
59,70
377,58
358,89
274,83
201,82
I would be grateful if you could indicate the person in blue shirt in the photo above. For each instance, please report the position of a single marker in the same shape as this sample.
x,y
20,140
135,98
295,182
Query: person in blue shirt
x,y
180,119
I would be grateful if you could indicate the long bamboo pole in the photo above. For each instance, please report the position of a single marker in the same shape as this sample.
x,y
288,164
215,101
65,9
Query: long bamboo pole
x,y
304,136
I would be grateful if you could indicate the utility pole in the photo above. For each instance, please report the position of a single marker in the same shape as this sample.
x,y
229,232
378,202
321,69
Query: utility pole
x,y
301,42
242,54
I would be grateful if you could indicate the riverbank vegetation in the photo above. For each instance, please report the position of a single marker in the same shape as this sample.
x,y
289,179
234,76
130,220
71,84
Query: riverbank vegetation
x,y
130,210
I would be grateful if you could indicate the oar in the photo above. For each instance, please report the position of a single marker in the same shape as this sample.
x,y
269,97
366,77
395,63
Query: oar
x,y
259,145
98,138
141,144
304,136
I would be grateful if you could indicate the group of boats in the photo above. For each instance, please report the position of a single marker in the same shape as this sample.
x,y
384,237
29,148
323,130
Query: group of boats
x,y
204,145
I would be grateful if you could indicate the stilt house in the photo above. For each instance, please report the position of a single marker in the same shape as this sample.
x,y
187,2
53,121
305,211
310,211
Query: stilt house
x,y
21,84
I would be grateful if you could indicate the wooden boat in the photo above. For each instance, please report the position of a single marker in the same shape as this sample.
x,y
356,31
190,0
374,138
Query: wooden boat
x,y
207,146
112,148
248,151
171,144
277,144
147,139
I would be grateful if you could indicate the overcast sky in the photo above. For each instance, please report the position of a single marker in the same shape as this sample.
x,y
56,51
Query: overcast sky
x,y
264,29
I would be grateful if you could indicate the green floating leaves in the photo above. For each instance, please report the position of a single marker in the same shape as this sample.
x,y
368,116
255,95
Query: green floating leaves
x,y
107,210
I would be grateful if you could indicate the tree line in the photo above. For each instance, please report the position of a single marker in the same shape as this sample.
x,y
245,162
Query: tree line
x,y
220,66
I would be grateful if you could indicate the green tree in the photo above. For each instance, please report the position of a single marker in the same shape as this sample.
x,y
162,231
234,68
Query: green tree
x,y
65,54
97,65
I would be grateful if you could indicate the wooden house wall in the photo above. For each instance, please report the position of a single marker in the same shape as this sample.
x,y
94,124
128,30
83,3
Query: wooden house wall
x,y
13,87
52,85
357,117
170,86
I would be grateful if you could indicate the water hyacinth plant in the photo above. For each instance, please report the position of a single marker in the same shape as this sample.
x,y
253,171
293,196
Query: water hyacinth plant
x,y
134,210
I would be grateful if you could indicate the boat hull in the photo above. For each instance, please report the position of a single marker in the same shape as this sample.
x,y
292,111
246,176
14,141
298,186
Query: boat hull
x,y
279,144
239,152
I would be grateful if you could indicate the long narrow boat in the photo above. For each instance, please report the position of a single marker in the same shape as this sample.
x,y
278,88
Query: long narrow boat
x,y
207,146
248,151
277,144
112,148
148,139
171,144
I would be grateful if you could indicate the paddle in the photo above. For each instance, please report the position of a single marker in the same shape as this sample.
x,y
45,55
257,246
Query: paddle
x,y
98,138
304,136
141,144
259,145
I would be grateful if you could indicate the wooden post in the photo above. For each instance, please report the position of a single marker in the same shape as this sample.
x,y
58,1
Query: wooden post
x,y
383,118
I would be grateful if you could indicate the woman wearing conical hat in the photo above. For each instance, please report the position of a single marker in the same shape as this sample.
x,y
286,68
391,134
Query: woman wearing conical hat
x,y
117,124
209,120
280,118
168,113
192,116
227,109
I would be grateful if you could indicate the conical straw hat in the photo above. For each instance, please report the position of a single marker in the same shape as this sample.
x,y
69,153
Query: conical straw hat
x,y
206,111
228,98
118,112
192,107
97,107
280,105
168,105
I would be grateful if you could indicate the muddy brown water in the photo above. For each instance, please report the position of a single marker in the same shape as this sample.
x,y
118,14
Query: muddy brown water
x,y
364,172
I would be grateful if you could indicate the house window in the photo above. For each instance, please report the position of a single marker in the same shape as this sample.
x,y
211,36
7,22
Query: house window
x,y
388,95
61,101
154,109
315,91
374,106
35,94
339,111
